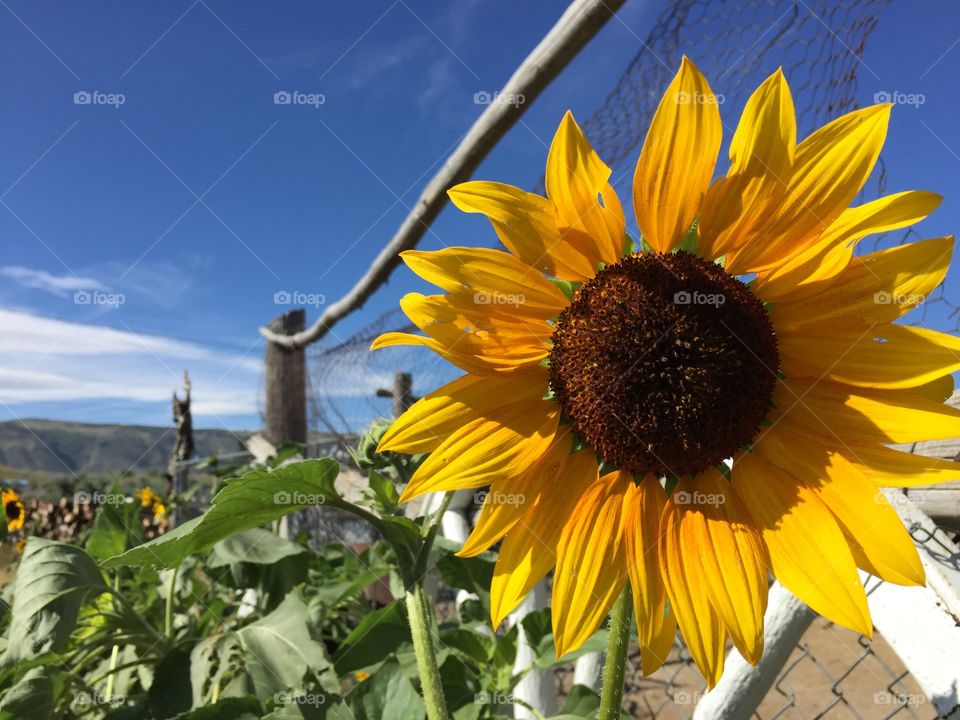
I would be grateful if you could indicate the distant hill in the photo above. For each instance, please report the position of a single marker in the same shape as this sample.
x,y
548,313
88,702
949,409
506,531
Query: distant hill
x,y
69,448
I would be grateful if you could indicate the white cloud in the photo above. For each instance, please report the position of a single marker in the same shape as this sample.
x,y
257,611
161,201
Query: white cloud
x,y
49,360
60,285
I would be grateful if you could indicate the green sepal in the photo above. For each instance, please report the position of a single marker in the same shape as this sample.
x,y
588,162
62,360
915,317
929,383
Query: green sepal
x,y
689,242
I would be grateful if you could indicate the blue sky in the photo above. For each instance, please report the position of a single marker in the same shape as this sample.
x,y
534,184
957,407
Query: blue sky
x,y
181,199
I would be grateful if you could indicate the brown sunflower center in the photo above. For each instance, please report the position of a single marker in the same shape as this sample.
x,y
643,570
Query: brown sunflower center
x,y
664,364
12,509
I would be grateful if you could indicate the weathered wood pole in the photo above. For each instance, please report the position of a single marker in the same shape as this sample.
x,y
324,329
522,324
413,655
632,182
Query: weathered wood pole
x,y
285,409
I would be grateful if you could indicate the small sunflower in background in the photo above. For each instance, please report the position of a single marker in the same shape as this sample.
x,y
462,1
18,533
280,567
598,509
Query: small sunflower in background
x,y
149,499
13,508
699,411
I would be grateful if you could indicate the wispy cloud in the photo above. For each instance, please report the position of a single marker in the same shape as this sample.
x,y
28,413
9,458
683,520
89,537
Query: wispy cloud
x,y
50,360
60,285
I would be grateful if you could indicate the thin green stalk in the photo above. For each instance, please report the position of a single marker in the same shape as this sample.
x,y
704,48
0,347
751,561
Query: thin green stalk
x,y
615,664
171,595
421,622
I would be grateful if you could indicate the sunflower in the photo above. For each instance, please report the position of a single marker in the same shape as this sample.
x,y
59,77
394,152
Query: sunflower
x,y
700,411
13,507
149,499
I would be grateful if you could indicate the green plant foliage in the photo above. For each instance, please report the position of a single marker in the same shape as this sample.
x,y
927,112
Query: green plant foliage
x,y
249,501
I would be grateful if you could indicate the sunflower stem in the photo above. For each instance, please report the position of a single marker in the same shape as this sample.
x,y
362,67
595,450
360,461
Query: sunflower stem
x,y
168,611
615,664
421,626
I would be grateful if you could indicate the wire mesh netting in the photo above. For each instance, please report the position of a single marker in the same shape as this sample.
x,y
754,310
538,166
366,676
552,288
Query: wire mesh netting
x,y
737,44
832,673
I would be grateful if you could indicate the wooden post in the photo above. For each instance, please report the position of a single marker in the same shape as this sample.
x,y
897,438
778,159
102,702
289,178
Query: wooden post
x,y
285,410
177,473
402,393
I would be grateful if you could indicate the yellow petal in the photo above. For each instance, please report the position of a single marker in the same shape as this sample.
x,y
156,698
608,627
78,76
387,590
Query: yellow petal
x,y
507,499
877,287
495,276
863,417
761,163
877,355
808,552
724,556
886,467
483,451
829,169
430,420
877,538
527,225
467,355
700,625
656,626
677,159
591,562
575,178
530,548
833,251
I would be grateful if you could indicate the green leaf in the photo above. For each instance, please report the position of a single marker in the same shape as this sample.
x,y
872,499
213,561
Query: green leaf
x,y
260,559
30,699
378,634
473,574
116,527
170,692
384,489
53,581
249,501
232,708
547,656
388,693
582,702
280,649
